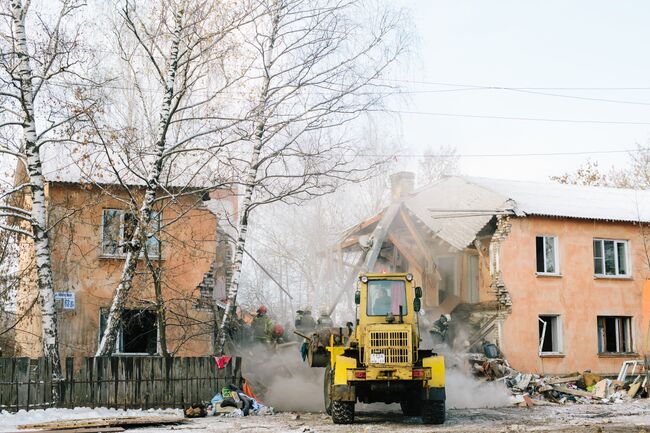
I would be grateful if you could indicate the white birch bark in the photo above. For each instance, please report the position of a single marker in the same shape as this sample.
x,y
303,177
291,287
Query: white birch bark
x,y
38,206
250,182
108,341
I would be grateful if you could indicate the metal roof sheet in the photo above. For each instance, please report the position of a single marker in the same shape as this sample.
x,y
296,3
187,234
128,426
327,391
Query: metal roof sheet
x,y
571,201
456,208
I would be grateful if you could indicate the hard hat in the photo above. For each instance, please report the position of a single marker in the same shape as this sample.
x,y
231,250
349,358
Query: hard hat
x,y
278,330
447,316
262,310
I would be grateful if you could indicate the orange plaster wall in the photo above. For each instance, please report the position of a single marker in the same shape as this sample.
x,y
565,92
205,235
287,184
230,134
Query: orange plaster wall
x,y
577,296
188,248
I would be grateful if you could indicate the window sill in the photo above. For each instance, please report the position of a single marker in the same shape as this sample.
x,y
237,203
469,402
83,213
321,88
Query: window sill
x,y
618,355
122,257
613,277
135,354
544,274
551,355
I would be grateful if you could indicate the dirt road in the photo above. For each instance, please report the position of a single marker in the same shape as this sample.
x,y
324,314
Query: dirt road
x,y
627,417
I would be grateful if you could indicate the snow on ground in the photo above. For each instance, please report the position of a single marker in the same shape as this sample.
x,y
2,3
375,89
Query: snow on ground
x,y
10,421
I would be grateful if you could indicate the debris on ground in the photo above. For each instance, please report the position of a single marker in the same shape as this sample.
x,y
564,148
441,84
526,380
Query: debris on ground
x,y
233,401
530,389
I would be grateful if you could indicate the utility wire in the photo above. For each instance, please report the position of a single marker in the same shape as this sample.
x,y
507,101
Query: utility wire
x,y
529,119
501,155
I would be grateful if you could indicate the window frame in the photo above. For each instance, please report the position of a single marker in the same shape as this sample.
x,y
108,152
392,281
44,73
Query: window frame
x,y
628,262
556,254
369,307
119,340
627,322
557,335
122,254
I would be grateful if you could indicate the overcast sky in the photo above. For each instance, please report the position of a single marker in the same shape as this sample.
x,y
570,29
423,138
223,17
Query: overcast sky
x,y
552,46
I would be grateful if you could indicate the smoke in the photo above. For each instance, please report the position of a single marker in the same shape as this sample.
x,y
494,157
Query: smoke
x,y
282,380
465,392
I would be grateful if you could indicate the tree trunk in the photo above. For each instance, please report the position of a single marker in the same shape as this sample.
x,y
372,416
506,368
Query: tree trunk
x,y
109,338
251,177
38,212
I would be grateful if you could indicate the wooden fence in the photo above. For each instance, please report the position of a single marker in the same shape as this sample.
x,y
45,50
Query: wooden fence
x,y
116,382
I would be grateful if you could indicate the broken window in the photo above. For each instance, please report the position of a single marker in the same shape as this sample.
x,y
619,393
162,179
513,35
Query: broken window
x,y
615,334
112,232
610,258
550,334
118,227
547,256
138,333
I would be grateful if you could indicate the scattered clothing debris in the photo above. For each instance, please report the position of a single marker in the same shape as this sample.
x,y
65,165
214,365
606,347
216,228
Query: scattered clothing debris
x,y
234,401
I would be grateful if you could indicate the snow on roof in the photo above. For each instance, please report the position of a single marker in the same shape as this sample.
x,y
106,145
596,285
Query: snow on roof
x,y
97,167
456,208
570,201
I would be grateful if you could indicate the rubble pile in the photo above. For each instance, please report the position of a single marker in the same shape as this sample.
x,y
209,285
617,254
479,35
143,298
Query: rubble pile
x,y
585,388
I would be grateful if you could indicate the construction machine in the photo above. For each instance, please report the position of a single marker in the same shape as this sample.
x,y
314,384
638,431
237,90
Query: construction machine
x,y
378,358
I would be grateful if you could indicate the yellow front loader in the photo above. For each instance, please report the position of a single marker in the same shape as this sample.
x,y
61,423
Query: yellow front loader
x,y
378,358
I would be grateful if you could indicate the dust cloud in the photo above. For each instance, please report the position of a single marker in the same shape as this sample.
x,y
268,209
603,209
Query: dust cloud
x,y
465,392
282,379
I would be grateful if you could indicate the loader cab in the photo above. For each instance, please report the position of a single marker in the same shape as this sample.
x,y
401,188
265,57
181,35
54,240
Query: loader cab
x,y
387,298
388,305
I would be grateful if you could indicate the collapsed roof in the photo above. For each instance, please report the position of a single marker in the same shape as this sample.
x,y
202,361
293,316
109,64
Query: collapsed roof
x,y
456,208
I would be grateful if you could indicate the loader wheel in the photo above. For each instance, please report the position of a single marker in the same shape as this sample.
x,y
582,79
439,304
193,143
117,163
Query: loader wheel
x,y
433,411
411,407
343,412
327,389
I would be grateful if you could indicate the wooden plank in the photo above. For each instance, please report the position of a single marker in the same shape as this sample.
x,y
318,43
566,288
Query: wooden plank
x,y
47,382
559,380
146,384
113,374
84,430
21,376
70,381
104,422
5,382
121,378
38,372
196,375
576,392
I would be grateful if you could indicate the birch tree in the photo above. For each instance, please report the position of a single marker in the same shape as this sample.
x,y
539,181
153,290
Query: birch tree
x,y
173,127
317,66
40,68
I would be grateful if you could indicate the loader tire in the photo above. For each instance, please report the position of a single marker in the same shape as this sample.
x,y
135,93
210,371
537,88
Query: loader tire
x,y
411,407
327,389
343,412
433,412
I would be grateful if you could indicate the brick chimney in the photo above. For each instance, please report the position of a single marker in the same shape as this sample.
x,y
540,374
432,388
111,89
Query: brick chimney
x,y
401,184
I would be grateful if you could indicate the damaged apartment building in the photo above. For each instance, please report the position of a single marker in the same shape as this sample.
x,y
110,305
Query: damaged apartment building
x,y
554,274
91,224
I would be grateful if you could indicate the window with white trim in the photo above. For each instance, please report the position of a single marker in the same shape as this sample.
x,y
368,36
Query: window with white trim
x,y
611,258
550,334
547,255
117,230
615,334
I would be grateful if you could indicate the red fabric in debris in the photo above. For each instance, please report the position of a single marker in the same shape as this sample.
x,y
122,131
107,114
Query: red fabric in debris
x,y
222,362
